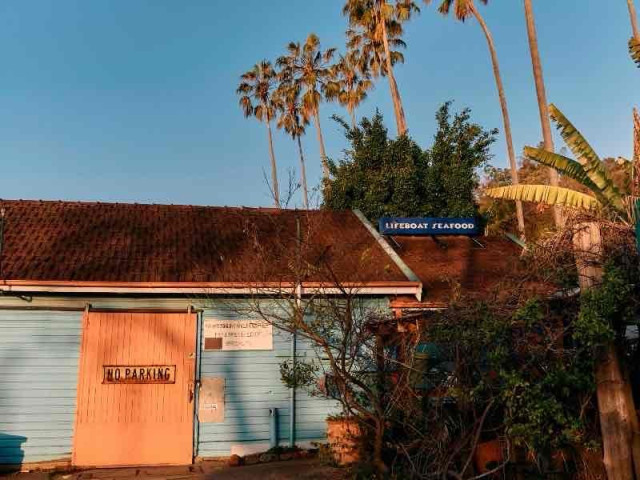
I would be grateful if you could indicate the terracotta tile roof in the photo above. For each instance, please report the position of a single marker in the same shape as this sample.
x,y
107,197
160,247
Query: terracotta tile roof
x,y
109,242
457,262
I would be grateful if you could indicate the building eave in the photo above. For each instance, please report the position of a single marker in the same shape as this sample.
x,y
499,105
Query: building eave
x,y
210,288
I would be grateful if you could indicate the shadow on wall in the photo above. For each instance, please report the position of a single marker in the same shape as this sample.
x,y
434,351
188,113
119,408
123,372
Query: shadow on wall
x,y
11,453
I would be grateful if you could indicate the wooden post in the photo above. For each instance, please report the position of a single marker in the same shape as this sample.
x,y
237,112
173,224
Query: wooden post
x,y
613,406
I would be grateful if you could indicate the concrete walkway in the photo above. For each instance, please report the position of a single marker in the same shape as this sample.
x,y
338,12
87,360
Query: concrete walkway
x,y
310,469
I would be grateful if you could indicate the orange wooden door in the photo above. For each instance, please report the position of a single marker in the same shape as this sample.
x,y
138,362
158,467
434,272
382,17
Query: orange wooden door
x,y
135,389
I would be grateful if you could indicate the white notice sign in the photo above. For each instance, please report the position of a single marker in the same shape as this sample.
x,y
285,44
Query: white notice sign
x,y
238,335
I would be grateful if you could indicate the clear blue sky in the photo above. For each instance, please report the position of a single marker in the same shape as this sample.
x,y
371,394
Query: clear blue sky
x,y
134,100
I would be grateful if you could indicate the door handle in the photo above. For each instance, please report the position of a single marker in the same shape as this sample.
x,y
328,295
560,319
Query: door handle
x,y
191,392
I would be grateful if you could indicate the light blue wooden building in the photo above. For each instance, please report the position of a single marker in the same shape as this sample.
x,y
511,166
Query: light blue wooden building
x,y
115,317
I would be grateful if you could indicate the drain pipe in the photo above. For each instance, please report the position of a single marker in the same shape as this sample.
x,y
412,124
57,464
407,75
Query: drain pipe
x,y
273,427
2,213
292,394
292,397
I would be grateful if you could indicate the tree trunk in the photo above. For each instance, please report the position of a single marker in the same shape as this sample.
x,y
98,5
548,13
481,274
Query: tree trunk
x,y
401,121
613,402
615,422
352,114
635,184
274,171
378,441
634,19
635,429
542,98
505,114
323,153
303,175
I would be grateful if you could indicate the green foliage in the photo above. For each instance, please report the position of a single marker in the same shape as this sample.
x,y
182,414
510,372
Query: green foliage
x,y
535,363
382,176
588,158
298,374
605,309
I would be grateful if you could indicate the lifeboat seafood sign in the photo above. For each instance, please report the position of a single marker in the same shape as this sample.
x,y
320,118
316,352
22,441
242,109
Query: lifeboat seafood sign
x,y
428,226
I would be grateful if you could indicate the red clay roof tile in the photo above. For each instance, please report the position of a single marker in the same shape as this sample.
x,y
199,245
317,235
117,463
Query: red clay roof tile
x,y
458,263
115,242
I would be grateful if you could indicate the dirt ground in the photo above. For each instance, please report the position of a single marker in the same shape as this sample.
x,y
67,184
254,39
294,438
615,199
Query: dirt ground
x,y
310,469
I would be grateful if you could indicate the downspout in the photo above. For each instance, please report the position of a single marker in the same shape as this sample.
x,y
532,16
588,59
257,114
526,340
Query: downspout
x,y
2,213
292,394
196,388
292,398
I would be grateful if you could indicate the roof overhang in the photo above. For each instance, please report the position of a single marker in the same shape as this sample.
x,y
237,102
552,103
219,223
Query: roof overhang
x,y
213,288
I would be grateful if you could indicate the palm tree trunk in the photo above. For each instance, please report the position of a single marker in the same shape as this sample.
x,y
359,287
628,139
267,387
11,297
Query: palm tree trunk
x,y
274,171
635,184
303,175
323,153
614,402
505,113
634,19
401,121
352,114
542,98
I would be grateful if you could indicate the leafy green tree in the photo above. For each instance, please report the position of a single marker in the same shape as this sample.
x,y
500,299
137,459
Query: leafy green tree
x,y
460,148
382,176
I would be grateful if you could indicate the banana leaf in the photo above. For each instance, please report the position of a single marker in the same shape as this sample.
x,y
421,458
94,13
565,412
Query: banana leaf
x,y
555,196
587,158
565,166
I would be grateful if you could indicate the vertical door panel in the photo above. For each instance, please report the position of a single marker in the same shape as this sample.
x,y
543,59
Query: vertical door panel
x,y
143,423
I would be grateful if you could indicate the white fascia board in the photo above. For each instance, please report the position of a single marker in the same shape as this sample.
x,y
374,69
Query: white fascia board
x,y
373,290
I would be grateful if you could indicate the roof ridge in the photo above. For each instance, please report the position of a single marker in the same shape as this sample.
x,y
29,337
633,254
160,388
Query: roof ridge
x,y
145,204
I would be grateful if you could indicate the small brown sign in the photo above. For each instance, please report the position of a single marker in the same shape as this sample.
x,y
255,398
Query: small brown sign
x,y
119,374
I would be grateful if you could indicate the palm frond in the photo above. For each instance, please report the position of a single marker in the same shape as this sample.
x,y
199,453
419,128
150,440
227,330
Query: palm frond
x,y
587,157
634,50
549,195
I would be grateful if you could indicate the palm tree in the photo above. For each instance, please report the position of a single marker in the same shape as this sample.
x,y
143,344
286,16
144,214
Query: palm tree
x,y
634,20
368,53
256,99
349,84
634,42
307,67
542,97
634,49
636,154
293,121
588,170
463,9
378,23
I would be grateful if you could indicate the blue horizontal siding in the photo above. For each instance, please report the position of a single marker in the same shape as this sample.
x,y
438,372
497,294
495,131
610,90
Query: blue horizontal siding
x,y
252,387
39,353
